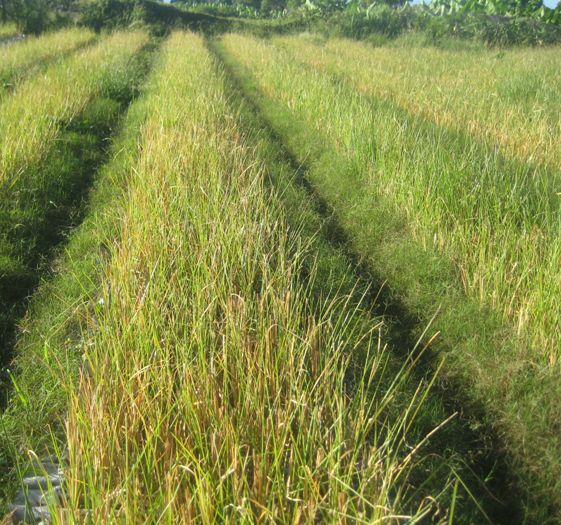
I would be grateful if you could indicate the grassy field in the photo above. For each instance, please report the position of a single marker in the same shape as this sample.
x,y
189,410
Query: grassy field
x,y
62,92
65,113
216,381
436,214
286,280
507,97
18,61
504,214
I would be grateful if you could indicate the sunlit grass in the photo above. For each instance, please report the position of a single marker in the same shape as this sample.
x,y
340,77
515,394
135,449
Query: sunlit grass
x,y
16,59
498,220
48,165
48,350
437,214
508,97
39,179
215,385
215,390
45,102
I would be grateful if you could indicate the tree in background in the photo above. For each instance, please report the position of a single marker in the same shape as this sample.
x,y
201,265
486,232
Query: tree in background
x,y
271,6
107,13
4,11
31,16
34,16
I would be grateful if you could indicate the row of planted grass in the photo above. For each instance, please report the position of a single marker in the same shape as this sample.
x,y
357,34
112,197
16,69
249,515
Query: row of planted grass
x,y
43,104
506,212
33,418
52,132
215,386
225,390
497,216
507,97
17,60
402,189
484,491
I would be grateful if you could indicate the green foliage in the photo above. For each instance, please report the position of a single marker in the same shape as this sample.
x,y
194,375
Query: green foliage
x,y
99,14
220,9
515,8
160,18
31,16
493,30
381,159
381,19
36,16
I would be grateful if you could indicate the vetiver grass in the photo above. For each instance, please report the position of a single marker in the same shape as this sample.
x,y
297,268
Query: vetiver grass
x,y
50,138
58,95
225,392
462,445
507,96
498,219
16,60
428,208
215,386
37,403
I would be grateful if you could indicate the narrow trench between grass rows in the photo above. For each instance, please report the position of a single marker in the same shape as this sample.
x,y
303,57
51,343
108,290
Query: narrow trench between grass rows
x,y
492,486
66,176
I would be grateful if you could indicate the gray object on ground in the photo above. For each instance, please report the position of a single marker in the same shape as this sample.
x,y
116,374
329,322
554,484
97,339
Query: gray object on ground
x,y
41,487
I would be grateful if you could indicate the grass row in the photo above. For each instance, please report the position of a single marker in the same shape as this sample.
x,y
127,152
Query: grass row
x,y
182,352
32,419
44,171
496,217
17,60
363,157
45,102
228,394
507,97
484,490
499,219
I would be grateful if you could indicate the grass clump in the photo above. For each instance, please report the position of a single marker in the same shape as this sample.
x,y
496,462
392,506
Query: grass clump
x,y
435,213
